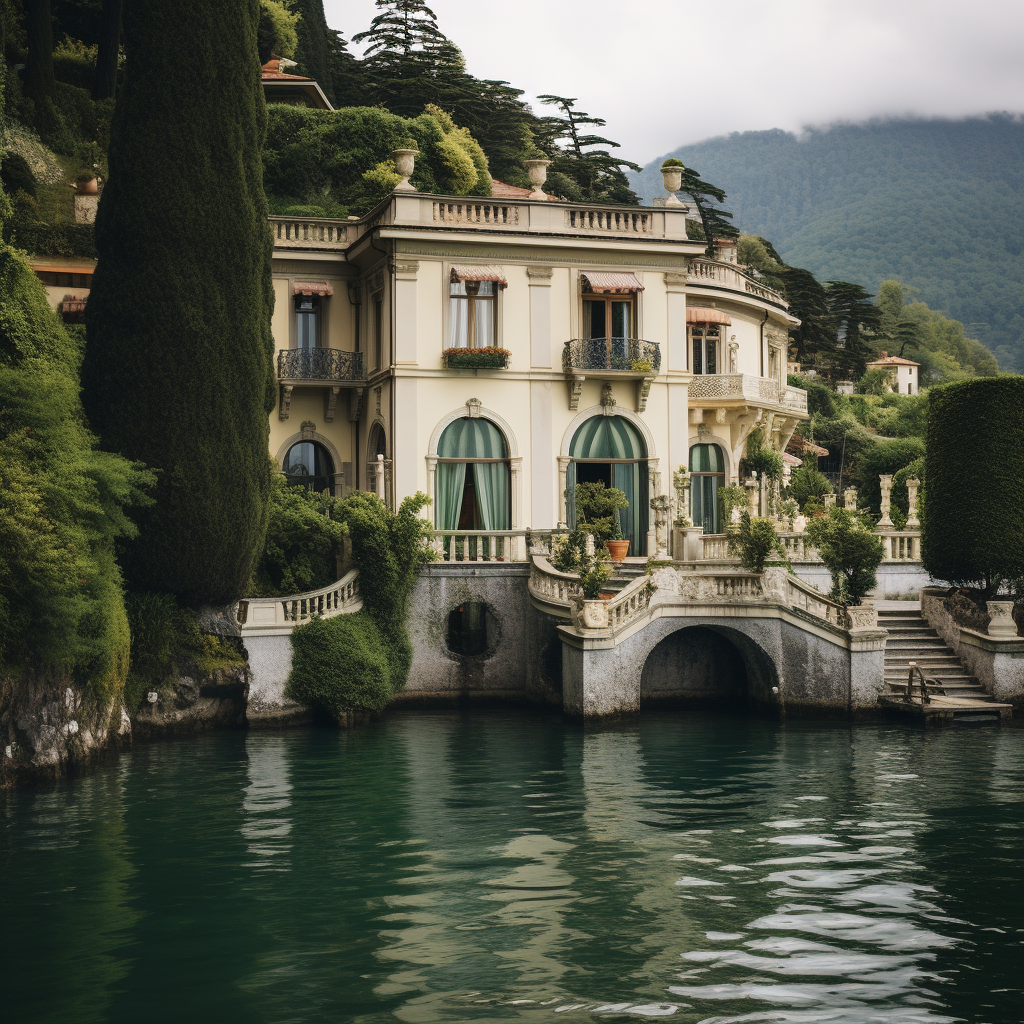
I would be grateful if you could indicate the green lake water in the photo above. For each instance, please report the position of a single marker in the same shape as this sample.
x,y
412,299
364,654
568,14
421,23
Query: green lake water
x,y
506,866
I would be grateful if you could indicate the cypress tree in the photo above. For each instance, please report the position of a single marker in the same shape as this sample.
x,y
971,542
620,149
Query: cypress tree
x,y
177,371
312,53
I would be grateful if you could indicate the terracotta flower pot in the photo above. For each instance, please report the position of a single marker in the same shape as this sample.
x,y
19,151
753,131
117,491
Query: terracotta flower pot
x,y
87,188
617,549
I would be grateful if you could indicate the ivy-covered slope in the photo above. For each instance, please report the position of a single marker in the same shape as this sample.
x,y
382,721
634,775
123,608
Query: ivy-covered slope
x,y
936,204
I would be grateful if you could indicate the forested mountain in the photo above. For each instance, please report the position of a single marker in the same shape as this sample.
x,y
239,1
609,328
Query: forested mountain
x,y
936,204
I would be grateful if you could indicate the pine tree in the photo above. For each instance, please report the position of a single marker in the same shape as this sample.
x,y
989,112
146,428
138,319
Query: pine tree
x,y
715,222
177,371
594,175
854,315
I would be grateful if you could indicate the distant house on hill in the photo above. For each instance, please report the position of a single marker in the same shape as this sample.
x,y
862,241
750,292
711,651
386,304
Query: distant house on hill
x,y
905,373
295,90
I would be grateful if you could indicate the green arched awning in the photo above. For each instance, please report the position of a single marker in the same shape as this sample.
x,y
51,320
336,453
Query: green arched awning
x,y
607,437
706,458
474,438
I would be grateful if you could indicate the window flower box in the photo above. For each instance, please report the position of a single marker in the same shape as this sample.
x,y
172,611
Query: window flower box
x,y
490,358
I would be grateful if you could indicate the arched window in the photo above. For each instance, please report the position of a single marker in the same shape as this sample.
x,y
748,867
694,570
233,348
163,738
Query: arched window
x,y
473,477
309,464
609,449
707,474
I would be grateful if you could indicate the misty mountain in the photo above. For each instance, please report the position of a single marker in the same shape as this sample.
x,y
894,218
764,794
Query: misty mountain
x,y
936,204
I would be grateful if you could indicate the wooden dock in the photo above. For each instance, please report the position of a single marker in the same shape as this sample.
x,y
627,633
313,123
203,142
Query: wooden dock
x,y
941,710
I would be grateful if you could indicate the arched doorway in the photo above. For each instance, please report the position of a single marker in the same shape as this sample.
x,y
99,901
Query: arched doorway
x,y
708,666
472,485
707,476
309,464
609,449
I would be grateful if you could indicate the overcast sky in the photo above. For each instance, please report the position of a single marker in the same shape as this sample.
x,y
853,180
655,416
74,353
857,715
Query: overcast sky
x,y
664,73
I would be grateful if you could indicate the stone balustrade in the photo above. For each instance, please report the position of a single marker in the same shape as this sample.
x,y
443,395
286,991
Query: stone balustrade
x,y
258,614
475,214
717,273
479,545
616,220
551,586
809,599
740,387
311,232
900,545
629,604
716,548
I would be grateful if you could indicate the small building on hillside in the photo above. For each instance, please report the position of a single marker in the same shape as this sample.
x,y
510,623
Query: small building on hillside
x,y
296,90
905,373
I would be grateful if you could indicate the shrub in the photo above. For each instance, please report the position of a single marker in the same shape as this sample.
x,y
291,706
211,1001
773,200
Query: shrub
x,y
571,556
884,457
341,665
672,162
730,498
806,482
754,541
762,458
304,537
597,510
180,305
876,382
973,533
850,551
16,175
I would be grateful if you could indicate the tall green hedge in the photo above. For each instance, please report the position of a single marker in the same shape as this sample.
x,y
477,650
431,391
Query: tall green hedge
x,y
974,503
178,370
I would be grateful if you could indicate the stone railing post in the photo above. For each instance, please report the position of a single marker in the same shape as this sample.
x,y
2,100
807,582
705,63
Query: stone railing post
x,y
913,523
885,523
829,499
850,499
1001,622
753,494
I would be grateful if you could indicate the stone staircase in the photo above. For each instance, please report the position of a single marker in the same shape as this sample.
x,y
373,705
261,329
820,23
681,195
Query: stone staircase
x,y
912,639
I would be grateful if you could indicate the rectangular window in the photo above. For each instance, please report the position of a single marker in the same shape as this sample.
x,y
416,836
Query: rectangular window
x,y
472,314
608,318
705,341
307,312
378,333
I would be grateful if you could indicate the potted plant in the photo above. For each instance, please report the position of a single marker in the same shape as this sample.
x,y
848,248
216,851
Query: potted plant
x,y
672,176
597,511
487,358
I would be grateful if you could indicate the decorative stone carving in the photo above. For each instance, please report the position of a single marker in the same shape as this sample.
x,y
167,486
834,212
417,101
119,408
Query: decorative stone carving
x,y
829,499
774,583
575,383
885,523
473,406
703,432
595,615
643,391
752,494
308,430
734,352
913,523
662,508
405,164
330,403
284,405
672,178
377,394
696,416
1001,622
850,498
720,415
607,400
862,616
355,404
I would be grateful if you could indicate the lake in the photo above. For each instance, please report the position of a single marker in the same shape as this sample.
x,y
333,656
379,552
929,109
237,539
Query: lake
x,y
511,866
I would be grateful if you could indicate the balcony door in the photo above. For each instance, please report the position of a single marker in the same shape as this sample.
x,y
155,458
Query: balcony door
x,y
473,477
707,475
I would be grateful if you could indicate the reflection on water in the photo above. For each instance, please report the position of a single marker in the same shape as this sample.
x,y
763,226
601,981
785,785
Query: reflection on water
x,y
502,866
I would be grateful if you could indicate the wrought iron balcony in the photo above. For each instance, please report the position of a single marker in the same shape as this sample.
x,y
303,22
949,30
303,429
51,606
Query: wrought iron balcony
x,y
319,365
611,357
630,356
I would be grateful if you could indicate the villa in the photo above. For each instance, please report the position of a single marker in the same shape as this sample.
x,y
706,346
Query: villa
x,y
904,374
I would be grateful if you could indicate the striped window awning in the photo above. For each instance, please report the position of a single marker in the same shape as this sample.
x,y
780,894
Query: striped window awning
x,y
601,282
470,272
312,288
706,315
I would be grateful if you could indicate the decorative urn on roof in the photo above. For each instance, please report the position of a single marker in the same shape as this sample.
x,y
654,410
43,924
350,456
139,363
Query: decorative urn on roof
x,y
537,170
405,164
672,175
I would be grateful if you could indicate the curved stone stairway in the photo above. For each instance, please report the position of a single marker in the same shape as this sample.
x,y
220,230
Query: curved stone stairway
x,y
912,639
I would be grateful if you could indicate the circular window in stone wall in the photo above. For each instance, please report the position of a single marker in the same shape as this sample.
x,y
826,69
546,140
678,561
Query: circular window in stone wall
x,y
468,629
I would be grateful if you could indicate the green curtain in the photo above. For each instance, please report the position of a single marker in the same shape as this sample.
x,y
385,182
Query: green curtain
x,y
492,494
626,477
472,438
706,458
449,483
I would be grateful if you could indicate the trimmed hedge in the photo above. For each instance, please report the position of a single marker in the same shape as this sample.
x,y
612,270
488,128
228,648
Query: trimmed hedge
x,y
883,457
177,369
974,504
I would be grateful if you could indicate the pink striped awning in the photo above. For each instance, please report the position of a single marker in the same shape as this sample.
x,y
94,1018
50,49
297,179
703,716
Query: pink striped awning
x,y
312,288
472,272
602,282
706,315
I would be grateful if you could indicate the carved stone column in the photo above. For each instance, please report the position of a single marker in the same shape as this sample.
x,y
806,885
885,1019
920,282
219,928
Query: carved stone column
x,y
753,495
563,470
662,508
829,499
913,523
850,499
885,523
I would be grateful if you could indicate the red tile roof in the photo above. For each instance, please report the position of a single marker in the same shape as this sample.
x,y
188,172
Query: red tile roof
x,y
499,190
887,360
271,72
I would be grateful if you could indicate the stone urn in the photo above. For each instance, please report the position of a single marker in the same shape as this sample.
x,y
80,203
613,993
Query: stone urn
x,y
537,171
1001,622
862,616
405,164
617,549
595,615
87,186
672,176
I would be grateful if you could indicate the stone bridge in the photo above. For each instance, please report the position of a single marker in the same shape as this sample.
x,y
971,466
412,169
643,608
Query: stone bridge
x,y
717,635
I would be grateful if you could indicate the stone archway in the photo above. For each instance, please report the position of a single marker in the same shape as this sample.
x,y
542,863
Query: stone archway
x,y
707,666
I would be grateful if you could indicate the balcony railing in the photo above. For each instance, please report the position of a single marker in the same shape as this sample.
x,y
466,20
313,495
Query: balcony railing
x,y
711,387
319,364
717,273
626,355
